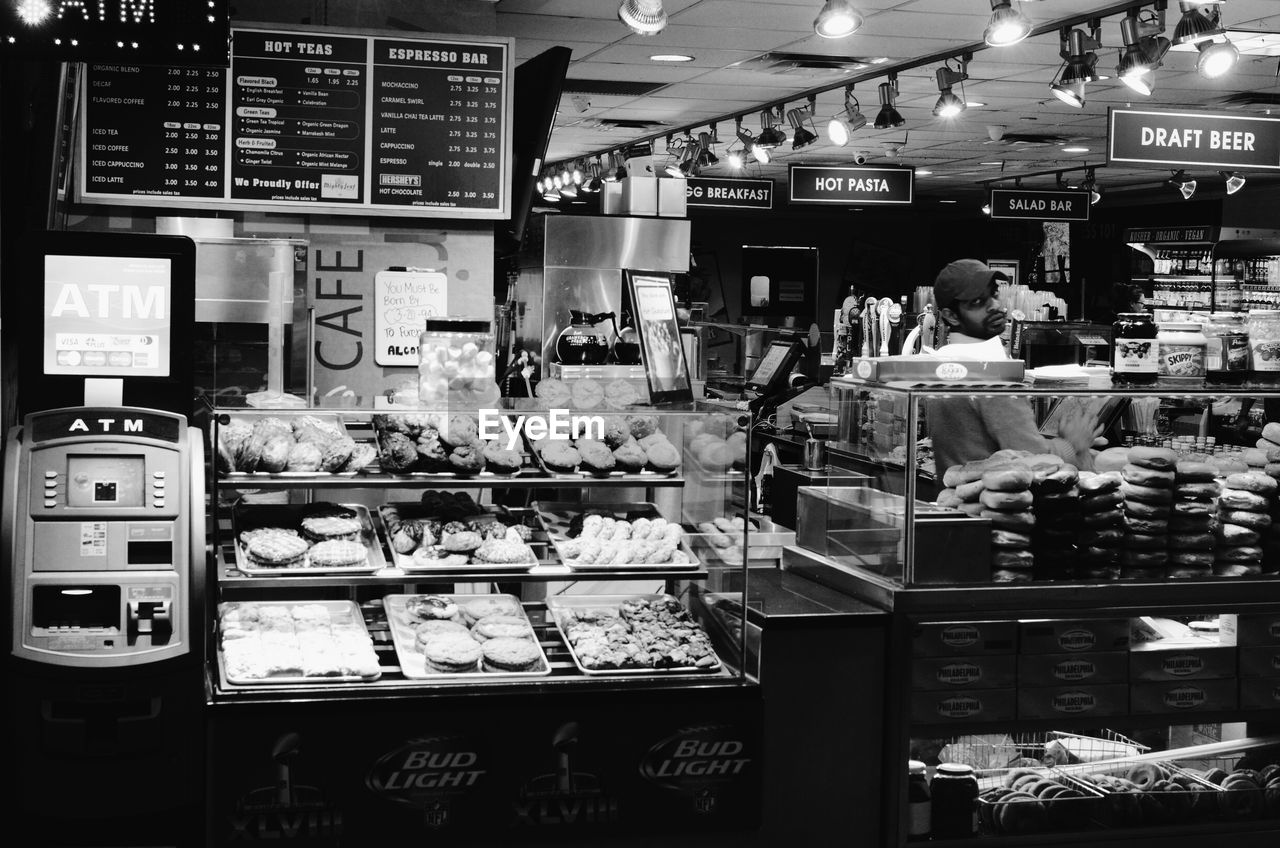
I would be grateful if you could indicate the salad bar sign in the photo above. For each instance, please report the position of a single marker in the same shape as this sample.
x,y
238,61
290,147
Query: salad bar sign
x,y
1040,205
339,123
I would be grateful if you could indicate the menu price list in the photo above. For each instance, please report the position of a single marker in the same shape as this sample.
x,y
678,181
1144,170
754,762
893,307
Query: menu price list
x,y
437,124
298,102
155,133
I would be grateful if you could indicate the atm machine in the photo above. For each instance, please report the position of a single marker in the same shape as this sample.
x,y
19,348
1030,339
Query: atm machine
x,y
103,525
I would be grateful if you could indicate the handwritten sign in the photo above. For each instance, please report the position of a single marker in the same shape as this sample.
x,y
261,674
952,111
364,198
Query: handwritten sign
x,y
403,301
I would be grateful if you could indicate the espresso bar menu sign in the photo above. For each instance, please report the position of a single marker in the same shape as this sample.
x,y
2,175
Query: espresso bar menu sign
x,y
344,123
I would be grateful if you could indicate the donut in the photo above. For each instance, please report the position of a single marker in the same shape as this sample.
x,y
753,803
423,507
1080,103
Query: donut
x,y
1239,554
1157,459
1008,478
1111,459
1253,481
1240,499
1142,476
1009,520
1190,542
1191,523
1107,481
1201,559
1104,538
1147,494
1098,520
969,492
1197,491
1006,501
1144,542
1247,518
1097,503
1010,539
1012,559
1138,509
1188,508
1146,775
1010,575
1188,471
1149,526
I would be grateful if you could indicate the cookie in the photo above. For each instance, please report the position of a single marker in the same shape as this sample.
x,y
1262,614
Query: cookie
x,y
491,605
1241,499
1149,526
277,550
1157,459
452,654
502,654
1190,471
1019,521
325,527
1253,481
1246,518
501,627
425,631
1144,542
1138,509
1146,494
424,607
338,553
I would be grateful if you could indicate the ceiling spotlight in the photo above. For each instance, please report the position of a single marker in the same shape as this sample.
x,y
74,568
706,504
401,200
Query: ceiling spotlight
x,y
735,160
802,137
986,209
889,117
621,173
707,156
594,182
770,135
842,126
1235,182
760,154
1217,58
1071,93
1144,50
949,105
837,19
1007,25
643,17
1090,185
1197,24
1183,184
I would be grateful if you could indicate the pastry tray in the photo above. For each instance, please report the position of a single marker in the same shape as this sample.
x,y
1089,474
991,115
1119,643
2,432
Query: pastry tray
x,y
389,512
559,603
586,474
555,516
333,421
336,609
289,516
413,664
528,466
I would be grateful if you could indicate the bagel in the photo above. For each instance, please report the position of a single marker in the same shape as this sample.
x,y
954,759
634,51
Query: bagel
x,y
1191,541
1010,539
1253,481
1111,459
1255,457
1008,558
1189,508
1240,499
1272,469
1008,455
1157,459
966,473
1190,523
1230,466
1057,479
1149,526
1106,481
1236,569
1188,471
1100,502
1008,478
1009,520
974,509
1143,542
1271,432
1054,541
1146,775
1234,534
1215,776
1144,559
948,498
1196,491
1104,538
1010,575
1146,494
969,492
1203,560
1100,520
1247,518
1143,476
1245,554
1138,509
1187,572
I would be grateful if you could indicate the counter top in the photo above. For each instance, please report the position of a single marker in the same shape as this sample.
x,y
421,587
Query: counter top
x,y
780,598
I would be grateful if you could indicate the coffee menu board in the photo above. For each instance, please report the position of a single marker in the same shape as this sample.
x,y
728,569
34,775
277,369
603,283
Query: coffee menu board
x,y
350,123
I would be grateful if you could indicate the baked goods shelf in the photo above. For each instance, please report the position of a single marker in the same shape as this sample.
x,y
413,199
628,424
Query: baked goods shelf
x,y
377,480
1128,721
1203,833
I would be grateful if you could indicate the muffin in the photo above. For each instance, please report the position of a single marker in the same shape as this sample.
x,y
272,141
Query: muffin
x,y
586,394
361,455
461,430
452,654
397,452
616,431
663,457
559,456
642,425
595,457
432,454
555,392
499,460
630,457
336,453
338,553
468,458
508,655
275,453
501,627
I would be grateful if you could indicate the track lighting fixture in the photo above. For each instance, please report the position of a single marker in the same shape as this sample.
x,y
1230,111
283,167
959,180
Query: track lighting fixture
x,y
621,173
735,160
706,155
949,105
986,209
643,17
889,117
760,154
1199,22
837,19
1235,182
842,126
1217,58
1090,185
1183,184
1006,26
593,183
1144,50
1078,66
801,135
770,135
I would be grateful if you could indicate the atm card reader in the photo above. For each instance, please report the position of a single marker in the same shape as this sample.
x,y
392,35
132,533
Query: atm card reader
x,y
152,619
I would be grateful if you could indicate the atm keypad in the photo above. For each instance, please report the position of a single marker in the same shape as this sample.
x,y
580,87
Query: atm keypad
x,y
52,488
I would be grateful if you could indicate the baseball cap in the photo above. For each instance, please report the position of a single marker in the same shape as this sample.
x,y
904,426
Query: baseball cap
x,y
962,280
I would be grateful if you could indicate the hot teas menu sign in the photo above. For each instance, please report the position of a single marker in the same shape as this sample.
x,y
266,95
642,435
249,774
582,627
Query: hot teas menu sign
x,y
358,124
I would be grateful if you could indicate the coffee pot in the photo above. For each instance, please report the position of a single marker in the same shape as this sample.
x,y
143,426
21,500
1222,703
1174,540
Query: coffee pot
x,y
626,347
584,341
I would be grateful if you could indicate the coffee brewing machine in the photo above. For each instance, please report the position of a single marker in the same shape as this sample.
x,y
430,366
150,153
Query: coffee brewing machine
x,y
103,524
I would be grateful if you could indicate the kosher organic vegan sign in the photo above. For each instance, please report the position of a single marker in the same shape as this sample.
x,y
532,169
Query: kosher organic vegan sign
x,y
851,186
729,194
1039,205
1164,138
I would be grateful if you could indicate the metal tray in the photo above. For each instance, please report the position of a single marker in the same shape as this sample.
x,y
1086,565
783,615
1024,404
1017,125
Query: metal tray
x,y
248,516
528,467
344,609
556,515
334,421
389,513
412,663
559,603
584,474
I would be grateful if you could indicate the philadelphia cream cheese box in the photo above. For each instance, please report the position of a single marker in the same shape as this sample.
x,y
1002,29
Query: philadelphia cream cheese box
x,y
1262,628
977,672
1056,636
963,638
1090,667
1261,693
1182,696
953,706
1260,661
1183,660
1107,699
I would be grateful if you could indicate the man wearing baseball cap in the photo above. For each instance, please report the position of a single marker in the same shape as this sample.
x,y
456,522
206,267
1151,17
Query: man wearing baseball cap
x,y
968,429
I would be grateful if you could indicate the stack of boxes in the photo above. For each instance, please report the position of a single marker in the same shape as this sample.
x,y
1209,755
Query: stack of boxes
x,y
1256,637
1073,668
963,671
1172,675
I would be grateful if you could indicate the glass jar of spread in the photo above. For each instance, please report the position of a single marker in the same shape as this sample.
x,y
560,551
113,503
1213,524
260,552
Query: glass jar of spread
x,y
1135,360
954,812
1226,356
1181,350
919,801
1264,342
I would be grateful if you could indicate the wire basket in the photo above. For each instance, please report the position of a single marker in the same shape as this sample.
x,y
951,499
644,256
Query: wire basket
x,y
996,752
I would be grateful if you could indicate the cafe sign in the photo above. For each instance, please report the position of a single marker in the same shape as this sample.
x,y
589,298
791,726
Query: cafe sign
x,y
1030,205
1165,138
815,184
715,193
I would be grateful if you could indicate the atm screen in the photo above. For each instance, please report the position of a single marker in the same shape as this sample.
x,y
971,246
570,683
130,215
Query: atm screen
x,y
105,481
107,316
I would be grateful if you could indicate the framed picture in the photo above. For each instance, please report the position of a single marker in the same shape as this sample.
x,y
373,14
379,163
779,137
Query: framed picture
x,y
1008,267
653,308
